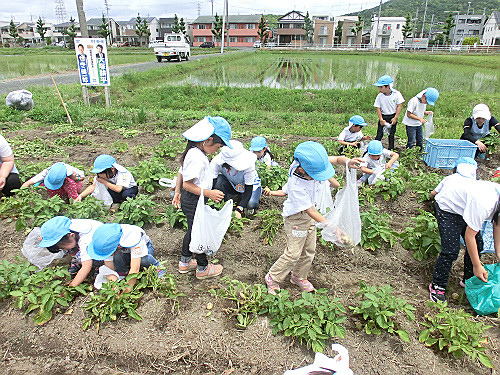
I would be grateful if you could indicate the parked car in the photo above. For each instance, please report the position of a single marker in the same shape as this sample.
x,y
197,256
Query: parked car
x,y
207,45
62,43
257,44
270,45
125,44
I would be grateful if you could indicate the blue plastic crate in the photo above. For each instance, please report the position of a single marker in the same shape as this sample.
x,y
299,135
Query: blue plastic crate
x,y
443,153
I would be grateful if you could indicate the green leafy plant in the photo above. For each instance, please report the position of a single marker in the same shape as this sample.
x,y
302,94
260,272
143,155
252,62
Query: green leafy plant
x,y
237,224
491,142
393,185
274,177
14,274
272,220
90,207
120,147
170,147
424,237
138,211
129,133
175,217
424,183
312,319
72,140
352,152
411,159
149,172
376,229
456,331
35,148
378,307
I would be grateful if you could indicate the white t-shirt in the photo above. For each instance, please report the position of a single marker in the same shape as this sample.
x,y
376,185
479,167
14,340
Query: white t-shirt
x,y
474,200
5,151
415,107
123,177
69,171
86,229
372,163
388,104
196,167
348,136
133,241
266,158
238,179
301,194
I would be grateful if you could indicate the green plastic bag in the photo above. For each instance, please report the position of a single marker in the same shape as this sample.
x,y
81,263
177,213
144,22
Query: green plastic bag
x,y
485,297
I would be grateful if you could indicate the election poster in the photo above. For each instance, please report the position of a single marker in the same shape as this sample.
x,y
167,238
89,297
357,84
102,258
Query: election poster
x,y
92,58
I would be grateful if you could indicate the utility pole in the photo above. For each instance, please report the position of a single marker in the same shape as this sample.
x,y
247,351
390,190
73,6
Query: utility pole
x,y
199,8
212,1
84,32
110,41
227,22
415,24
423,22
430,27
223,27
378,23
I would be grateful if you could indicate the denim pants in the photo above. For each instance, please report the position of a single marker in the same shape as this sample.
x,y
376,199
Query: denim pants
x,y
121,260
225,186
380,130
189,201
124,194
414,133
451,226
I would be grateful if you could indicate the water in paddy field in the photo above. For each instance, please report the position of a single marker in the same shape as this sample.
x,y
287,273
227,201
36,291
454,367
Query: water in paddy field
x,y
340,72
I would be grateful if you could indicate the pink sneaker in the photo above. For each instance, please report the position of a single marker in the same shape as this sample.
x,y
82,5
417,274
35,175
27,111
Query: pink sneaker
x,y
272,286
189,267
212,270
303,284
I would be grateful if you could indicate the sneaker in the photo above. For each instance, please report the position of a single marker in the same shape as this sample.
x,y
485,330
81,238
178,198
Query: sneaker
x,y
462,283
272,286
212,270
187,267
303,284
161,274
437,293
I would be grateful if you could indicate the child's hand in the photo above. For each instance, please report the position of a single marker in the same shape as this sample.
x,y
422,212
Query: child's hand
x,y
423,121
176,200
481,273
215,195
266,191
77,199
354,163
481,146
388,166
394,120
429,112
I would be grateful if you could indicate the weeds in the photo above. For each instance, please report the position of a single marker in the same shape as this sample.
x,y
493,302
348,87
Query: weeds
x,y
272,220
120,147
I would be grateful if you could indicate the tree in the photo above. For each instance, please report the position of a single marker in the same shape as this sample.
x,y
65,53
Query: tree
x,y
145,29
338,32
262,30
449,23
182,26
176,27
71,32
358,27
104,30
141,28
308,27
217,27
13,31
407,27
40,29
471,40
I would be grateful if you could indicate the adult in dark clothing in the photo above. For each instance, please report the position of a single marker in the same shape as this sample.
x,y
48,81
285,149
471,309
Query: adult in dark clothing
x,y
479,125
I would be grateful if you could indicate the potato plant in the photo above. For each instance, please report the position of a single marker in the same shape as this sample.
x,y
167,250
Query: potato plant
x,y
376,229
423,238
271,222
138,211
149,172
12,275
274,178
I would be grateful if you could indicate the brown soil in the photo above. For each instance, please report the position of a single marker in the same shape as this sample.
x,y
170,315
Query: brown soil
x,y
182,339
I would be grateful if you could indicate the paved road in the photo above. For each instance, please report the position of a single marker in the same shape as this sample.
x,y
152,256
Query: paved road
x,y
72,77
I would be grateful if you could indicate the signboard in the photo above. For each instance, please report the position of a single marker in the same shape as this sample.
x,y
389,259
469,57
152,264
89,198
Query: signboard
x,y
92,59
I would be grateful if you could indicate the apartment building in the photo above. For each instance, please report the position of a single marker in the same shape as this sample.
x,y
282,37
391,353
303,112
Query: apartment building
x,y
241,30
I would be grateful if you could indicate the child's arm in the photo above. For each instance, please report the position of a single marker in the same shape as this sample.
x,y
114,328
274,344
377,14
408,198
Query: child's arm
x,y
316,216
496,239
345,143
380,118
428,112
176,200
88,190
35,179
415,117
367,170
341,160
398,111
275,193
334,183
82,273
110,185
76,177
433,194
135,265
215,195
470,242
394,157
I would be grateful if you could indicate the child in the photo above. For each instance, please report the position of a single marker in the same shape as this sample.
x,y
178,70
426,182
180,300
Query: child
x,y
9,175
73,237
235,174
117,179
374,158
352,134
204,138
125,249
479,126
414,115
388,103
310,166
260,148
462,205
60,179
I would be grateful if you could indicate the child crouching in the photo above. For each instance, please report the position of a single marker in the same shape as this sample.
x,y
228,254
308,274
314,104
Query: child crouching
x,y
374,160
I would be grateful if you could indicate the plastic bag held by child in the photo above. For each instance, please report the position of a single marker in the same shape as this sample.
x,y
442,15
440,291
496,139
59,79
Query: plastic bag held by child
x,y
485,297
38,256
378,174
324,201
209,227
429,127
344,228
20,99
101,193
339,365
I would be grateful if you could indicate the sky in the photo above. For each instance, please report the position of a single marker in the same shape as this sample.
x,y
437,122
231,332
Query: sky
x,y
28,10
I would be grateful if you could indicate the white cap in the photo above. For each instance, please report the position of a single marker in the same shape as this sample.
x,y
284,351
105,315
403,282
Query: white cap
x,y
237,157
131,235
200,131
481,110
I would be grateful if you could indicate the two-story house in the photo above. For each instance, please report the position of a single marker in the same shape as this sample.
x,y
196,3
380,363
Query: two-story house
x,y
323,33
466,26
491,31
241,30
127,30
290,29
386,32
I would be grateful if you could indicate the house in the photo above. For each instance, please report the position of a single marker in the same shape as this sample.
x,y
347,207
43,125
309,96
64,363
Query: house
x,y
94,25
59,31
241,30
323,33
166,25
321,16
347,37
386,32
491,30
290,29
127,30
466,26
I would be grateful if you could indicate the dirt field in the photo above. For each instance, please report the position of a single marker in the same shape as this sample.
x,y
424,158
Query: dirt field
x,y
183,340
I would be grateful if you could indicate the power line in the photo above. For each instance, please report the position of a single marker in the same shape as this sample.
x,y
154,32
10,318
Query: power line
x,y
61,14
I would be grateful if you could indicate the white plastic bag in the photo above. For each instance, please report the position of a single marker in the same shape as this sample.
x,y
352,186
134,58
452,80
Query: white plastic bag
x,y
20,99
167,182
344,228
324,200
101,193
39,256
102,276
209,227
378,174
429,127
387,129
339,364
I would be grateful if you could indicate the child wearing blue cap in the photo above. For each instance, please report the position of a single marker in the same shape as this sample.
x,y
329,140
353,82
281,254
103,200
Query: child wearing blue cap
x,y
375,159
414,116
260,148
117,179
73,237
462,205
204,138
311,165
388,102
59,179
352,135
124,248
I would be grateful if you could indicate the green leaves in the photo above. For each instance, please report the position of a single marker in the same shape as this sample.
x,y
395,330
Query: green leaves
x,y
272,220
423,238
376,229
138,211
274,178
149,172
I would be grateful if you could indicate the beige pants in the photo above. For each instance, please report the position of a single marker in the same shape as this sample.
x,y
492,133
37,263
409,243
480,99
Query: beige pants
x,y
300,232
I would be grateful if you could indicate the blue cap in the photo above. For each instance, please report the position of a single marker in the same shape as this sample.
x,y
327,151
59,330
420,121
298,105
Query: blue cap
x,y
357,120
431,94
221,128
105,241
384,81
313,159
465,160
258,144
375,148
53,230
103,162
56,176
